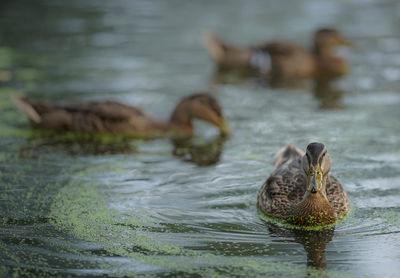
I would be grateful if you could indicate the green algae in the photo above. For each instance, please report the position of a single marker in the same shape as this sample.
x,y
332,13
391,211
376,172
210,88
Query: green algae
x,y
286,224
83,211
316,219
11,124
390,217
27,190
80,210
25,203
6,57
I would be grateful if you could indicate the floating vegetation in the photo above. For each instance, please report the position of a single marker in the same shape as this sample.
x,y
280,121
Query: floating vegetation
x,y
81,208
77,205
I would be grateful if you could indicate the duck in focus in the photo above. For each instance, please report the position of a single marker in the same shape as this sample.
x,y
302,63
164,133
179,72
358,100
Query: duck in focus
x,y
110,117
281,59
300,189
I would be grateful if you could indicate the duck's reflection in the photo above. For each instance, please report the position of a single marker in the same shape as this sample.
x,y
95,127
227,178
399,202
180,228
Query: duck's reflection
x,y
193,150
245,76
329,96
314,242
75,145
290,83
201,153
235,77
322,87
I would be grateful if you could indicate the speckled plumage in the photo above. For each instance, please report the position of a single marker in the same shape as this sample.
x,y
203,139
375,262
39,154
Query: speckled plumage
x,y
286,187
117,118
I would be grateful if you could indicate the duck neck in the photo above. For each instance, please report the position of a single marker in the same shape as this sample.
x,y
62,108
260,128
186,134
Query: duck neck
x,y
181,119
327,62
323,51
314,209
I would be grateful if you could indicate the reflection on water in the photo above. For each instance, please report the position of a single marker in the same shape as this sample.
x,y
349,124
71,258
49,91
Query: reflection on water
x,y
204,154
235,77
323,88
290,83
329,96
75,145
243,77
79,208
313,241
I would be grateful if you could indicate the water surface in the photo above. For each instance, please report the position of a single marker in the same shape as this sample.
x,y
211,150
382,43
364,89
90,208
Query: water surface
x,y
162,208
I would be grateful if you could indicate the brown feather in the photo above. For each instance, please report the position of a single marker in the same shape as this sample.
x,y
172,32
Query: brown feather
x,y
286,186
315,210
118,118
287,60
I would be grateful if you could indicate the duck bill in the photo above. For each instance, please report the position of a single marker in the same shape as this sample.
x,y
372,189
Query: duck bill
x,y
346,42
314,182
219,122
224,127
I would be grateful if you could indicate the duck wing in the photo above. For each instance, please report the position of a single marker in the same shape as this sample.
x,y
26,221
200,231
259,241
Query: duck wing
x,y
337,196
226,55
104,117
280,48
284,188
109,116
286,185
289,60
106,109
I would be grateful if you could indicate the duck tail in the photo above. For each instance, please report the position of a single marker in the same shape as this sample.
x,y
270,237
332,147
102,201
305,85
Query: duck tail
x,y
26,107
285,154
214,45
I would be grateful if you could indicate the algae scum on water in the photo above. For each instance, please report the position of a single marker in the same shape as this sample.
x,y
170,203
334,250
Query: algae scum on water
x,y
86,223
74,206
83,212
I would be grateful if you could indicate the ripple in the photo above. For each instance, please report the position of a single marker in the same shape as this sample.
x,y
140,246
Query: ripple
x,y
140,208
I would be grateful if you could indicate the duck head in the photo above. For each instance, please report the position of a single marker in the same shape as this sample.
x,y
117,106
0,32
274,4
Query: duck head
x,y
316,164
199,106
314,209
327,39
325,42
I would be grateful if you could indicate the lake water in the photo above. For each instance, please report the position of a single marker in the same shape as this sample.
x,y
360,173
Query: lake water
x,y
159,208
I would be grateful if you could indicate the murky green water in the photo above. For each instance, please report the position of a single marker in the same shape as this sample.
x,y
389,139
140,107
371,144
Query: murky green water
x,y
158,208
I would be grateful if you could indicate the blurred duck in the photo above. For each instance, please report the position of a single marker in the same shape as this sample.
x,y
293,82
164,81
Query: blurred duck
x,y
279,59
300,190
116,118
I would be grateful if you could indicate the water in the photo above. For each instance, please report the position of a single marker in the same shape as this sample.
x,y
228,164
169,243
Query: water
x,y
162,208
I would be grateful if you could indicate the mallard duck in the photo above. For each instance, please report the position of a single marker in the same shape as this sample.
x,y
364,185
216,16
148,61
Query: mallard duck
x,y
279,59
300,190
116,118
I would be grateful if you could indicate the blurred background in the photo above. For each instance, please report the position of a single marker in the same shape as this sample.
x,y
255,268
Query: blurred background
x,y
165,208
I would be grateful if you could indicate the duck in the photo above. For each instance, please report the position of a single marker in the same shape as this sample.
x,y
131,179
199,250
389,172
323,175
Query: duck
x,y
111,117
281,59
300,190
